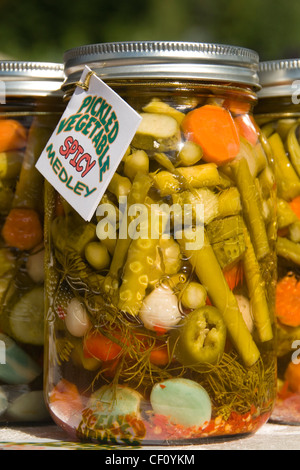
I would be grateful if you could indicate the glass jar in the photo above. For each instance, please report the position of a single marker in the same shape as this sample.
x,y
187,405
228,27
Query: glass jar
x,y
30,101
169,338
278,113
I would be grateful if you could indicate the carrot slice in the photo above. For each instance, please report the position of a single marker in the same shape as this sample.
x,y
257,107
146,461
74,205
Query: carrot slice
x,y
213,128
247,128
234,275
292,375
237,106
99,346
65,401
13,135
159,356
22,229
288,300
295,206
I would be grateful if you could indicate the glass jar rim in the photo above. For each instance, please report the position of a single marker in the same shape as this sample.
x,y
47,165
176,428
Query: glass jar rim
x,y
23,78
164,60
277,77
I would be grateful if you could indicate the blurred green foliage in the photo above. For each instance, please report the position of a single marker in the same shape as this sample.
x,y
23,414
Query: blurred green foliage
x,y
42,30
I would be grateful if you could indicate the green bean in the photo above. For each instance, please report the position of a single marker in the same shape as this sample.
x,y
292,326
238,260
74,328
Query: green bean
x,y
258,301
285,215
255,157
199,176
294,148
288,183
165,162
204,198
112,216
136,162
166,183
229,202
222,229
288,250
266,181
227,239
294,231
108,236
190,154
283,127
29,188
119,185
269,128
212,278
250,204
157,106
261,158
6,198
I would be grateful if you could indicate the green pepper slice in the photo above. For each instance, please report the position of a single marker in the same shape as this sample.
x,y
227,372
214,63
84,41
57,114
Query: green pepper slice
x,y
200,339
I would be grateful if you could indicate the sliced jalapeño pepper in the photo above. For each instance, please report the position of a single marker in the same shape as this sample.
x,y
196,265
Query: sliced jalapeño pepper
x,y
201,338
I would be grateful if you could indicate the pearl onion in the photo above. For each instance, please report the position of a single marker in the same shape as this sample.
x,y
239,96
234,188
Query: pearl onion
x,y
160,309
77,319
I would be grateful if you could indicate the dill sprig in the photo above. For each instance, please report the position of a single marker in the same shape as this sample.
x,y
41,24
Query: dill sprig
x,y
63,348
232,387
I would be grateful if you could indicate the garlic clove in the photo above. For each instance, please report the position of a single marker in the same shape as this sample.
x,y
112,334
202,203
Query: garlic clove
x,y
77,320
160,309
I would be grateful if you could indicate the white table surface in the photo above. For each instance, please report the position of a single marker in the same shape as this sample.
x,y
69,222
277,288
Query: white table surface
x,y
269,437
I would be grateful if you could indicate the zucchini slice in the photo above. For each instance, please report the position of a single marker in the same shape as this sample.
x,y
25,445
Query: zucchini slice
x,y
27,318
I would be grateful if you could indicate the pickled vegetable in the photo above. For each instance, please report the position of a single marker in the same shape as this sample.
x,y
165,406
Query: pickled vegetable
x,y
281,134
26,318
167,398
201,339
174,306
22,264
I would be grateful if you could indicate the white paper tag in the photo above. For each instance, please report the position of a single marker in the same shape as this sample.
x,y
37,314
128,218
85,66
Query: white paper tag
x,y
88,144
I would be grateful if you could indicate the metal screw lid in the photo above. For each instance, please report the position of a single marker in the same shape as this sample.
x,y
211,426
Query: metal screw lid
x,y
164,60
22,78
277,76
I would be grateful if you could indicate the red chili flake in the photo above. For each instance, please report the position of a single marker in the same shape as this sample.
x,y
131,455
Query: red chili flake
x,y
61,313
162,386
159,427
159,330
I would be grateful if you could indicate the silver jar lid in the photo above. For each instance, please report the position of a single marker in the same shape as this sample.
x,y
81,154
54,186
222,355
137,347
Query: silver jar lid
x,y
22,78
277,77
164,60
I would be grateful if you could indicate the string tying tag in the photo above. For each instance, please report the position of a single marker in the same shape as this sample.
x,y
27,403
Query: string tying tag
x,y
86,83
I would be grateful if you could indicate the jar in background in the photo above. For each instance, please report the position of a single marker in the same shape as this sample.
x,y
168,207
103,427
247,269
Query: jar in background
x,y
278,113
30,106
154,339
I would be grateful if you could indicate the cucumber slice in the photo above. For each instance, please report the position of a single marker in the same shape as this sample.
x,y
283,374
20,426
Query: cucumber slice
x,y
27,318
